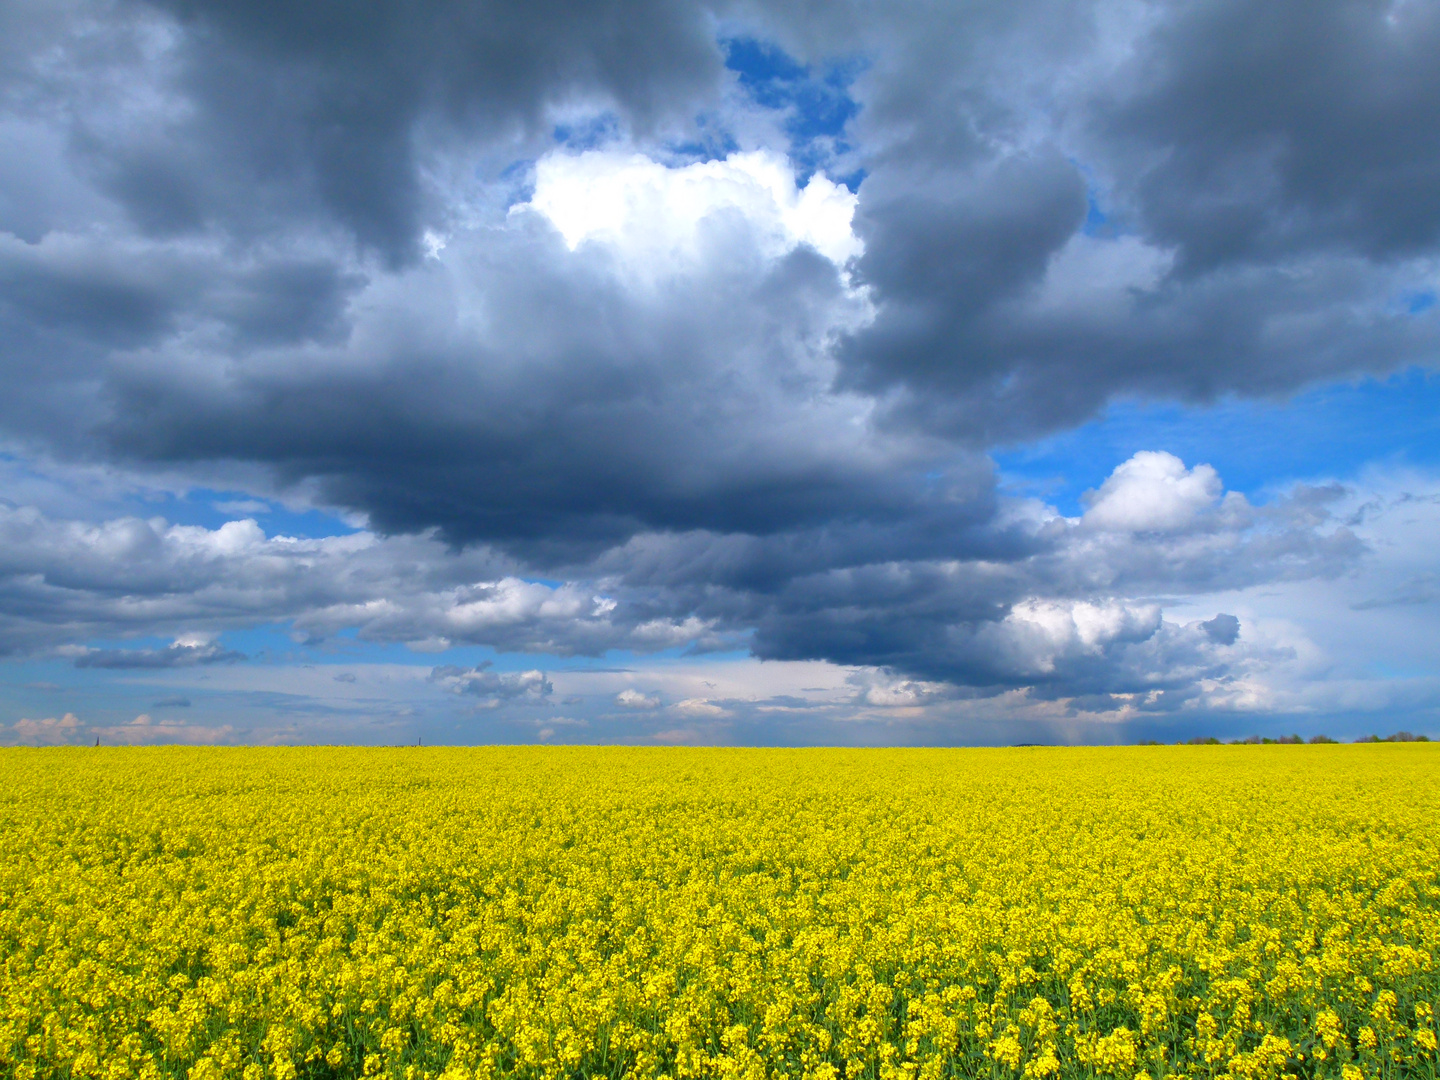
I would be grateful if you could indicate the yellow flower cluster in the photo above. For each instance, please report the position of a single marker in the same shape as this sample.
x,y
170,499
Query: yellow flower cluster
x,y
733,914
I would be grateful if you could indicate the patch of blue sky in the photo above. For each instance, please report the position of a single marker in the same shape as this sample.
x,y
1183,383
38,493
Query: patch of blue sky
x,y
273,643
814,98
516,170
1095,218
39,687
49,689
1327,432
211,509
589,133
1389,670
1099,218
1097,222
713,141
514,183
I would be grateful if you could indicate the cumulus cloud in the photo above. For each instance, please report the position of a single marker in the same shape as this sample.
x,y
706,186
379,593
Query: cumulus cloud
x,y
631,698
1038,636
1078,601
493,688
1047,219
1130,222
50,731
888,691
654,215
1154,492
700,707
68,729
62,580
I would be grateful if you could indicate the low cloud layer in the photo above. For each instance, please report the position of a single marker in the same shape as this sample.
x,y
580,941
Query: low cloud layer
x,y
1065,606
183,653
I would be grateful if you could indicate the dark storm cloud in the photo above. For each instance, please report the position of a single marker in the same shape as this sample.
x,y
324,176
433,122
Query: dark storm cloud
x,y
1257,131
980,623
114,298
497,440
284,301
1273,161
331,110
285,238
1036,599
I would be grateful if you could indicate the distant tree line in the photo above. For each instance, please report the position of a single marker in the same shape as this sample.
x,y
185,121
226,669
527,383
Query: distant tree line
x,y
1289,740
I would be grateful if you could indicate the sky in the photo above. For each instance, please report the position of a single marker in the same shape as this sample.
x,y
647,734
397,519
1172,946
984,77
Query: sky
x,y
718,372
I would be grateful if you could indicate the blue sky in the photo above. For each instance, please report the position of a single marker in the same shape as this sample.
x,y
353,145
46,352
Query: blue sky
x,y
921,377
1332,431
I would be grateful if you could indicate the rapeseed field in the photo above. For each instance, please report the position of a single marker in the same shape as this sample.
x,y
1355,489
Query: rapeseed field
x,y
1227,911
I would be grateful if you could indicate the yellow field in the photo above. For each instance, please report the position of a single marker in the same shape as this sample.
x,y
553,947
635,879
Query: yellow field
x,y
1200,911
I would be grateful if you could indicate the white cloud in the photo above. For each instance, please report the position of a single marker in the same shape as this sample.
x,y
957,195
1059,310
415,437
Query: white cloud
x,y
630,698
657,216
887,691
700,707
188,650
69,729
1096,278
66,580
52,730
1155,492
1347,645
1038,634
145,729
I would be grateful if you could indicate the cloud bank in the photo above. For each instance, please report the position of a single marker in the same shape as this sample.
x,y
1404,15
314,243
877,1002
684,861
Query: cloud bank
x,y
1063,605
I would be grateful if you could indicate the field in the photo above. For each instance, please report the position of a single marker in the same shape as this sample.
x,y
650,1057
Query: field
x,y
1247,911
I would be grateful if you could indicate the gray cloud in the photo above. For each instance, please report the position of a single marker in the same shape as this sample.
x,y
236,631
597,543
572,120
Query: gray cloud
x,y
1256,131
1222,629
985,133
333,115
493,688
180,654
1177,200
1068,605
419,424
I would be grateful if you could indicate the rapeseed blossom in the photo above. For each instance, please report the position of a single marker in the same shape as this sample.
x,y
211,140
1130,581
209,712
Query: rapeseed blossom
x,y
1239,912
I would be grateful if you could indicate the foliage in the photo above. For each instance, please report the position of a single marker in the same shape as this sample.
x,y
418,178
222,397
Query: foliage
x,y
1227,911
